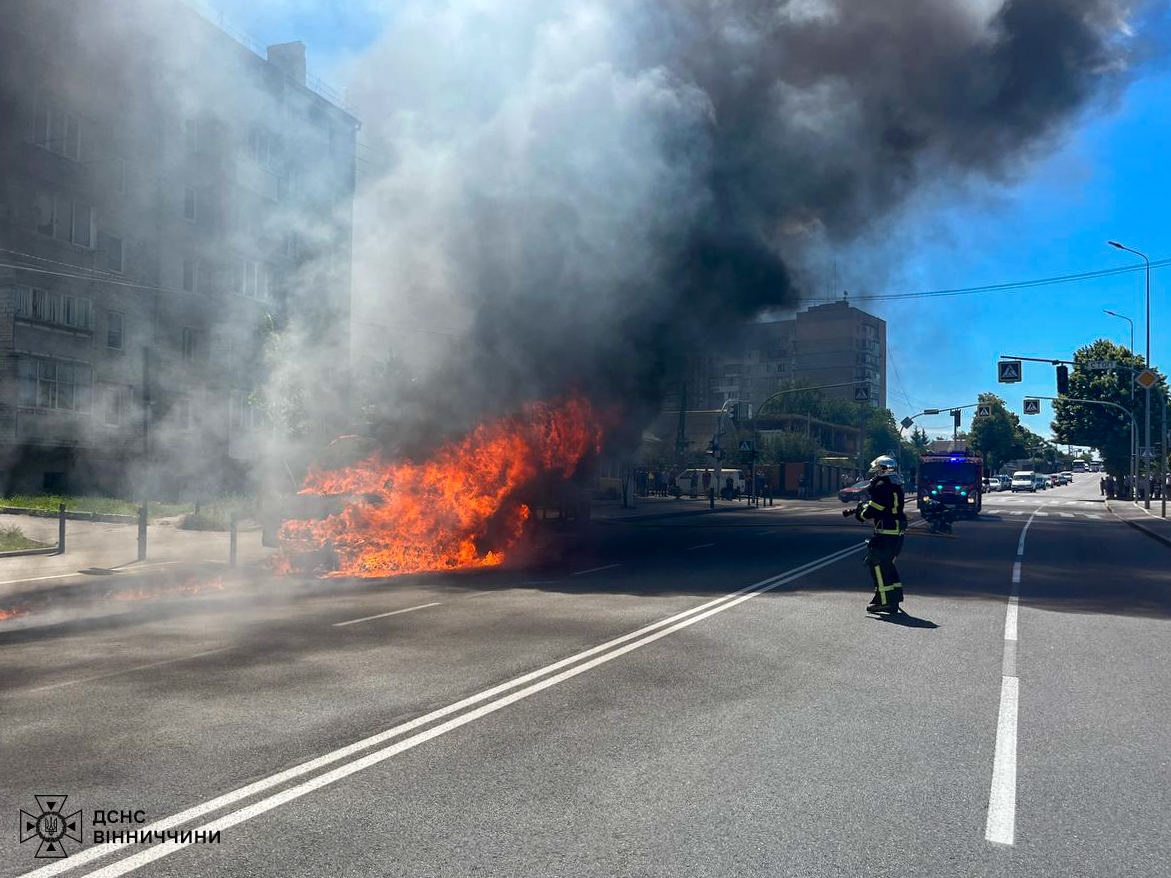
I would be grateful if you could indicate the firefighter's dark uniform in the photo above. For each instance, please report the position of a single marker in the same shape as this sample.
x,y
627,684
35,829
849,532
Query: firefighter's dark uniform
x,y
885,509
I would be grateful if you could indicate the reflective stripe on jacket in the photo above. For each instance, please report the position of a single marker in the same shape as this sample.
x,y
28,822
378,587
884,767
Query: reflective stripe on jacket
x,y
885,507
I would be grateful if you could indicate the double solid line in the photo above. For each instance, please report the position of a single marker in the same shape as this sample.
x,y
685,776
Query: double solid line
x,y
372,750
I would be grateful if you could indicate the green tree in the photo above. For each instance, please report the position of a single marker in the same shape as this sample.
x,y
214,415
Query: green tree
x,y
919,439
788,447
997,437
1103,427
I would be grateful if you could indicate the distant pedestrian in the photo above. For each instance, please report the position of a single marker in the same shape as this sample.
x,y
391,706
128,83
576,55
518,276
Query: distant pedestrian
x,y
802,487
1102,486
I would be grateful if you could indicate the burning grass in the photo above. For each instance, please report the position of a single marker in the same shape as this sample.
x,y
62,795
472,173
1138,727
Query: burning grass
x,y
458,509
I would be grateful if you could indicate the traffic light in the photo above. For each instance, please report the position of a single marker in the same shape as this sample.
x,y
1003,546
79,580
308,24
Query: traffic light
x,y
1062,381
956,414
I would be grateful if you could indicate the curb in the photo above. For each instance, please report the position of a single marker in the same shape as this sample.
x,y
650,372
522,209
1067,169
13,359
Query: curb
x,y
1166,541
679,514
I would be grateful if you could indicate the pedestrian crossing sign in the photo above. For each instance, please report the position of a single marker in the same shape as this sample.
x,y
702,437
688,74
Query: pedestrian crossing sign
x,y
983,411
1032,406
745,444
1008,371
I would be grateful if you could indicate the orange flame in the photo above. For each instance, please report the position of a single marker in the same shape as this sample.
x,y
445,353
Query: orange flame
x,y
435,515
10,614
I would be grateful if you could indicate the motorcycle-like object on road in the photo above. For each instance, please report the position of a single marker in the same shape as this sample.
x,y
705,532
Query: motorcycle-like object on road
x,y
939,516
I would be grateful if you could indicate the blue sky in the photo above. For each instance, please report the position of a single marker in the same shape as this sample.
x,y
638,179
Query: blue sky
x,y
1105,179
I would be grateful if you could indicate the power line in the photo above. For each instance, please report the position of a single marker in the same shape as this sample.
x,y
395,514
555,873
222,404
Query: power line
x,y
1001,287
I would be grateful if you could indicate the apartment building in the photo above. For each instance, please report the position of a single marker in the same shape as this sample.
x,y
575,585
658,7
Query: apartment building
x,y
169,196
834,343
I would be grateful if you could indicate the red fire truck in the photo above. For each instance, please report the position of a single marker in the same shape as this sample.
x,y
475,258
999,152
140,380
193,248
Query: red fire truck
x,y
953,474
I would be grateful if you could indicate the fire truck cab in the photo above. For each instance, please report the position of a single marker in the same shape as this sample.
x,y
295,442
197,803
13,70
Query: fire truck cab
x,y
953,474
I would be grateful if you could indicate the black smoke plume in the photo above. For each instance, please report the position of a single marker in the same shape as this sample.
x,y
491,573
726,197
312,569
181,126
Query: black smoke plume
x,y
580,192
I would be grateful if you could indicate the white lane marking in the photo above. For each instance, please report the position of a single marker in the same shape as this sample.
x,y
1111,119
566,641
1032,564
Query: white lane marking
x,y
384,615
766,533
172,661
115,571
1001,825
1093,515
700,546
1042,514
1010,620
595,569
1066,514
1017,512
630,640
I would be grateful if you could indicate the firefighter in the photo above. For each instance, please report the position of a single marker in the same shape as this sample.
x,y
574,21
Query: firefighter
x,y
885,509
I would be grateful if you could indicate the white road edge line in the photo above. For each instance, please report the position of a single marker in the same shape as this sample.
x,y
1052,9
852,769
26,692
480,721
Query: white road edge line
x,y
384,615
595,569
631,641
700,546
1001,825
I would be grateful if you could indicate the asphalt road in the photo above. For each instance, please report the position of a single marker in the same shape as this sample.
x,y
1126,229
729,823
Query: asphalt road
x,y
606,707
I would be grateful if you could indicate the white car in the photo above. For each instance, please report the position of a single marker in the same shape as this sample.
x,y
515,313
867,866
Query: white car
x,y
1024,480
991,484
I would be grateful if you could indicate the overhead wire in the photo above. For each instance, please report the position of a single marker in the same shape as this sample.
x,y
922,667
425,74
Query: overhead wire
x,y
994,288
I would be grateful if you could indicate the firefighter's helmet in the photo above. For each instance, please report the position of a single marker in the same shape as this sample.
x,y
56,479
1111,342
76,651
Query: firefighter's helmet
x,y
884,465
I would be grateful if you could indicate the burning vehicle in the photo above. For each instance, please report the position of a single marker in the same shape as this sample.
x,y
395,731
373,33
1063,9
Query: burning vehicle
x,y
464,506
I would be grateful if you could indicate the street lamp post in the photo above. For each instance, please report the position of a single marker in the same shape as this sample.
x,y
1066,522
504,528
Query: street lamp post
x,y
1148,354
1133,450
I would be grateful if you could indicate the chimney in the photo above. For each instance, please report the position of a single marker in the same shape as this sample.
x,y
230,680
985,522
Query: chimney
x,y
289,58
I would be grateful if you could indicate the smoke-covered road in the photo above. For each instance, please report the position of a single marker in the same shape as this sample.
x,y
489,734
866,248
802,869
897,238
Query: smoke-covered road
x,y
615,712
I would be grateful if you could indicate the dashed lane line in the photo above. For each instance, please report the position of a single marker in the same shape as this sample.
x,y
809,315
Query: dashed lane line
x,y
135,669
595,569
700,546
1001,825
384,615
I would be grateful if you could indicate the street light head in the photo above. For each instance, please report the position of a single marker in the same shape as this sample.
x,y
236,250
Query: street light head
x,y
1108,311
1115,244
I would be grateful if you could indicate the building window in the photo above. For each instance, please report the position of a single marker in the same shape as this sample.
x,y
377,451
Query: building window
x,y
113,250
264,147
191,275
50,384
243,414
115,408
115,325
56,130
193,345
254,280
191,131
82,224
48,306
64,219
189,203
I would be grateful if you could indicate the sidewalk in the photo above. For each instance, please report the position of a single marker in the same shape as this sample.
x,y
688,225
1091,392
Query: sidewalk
x,y
99,550
1149,521
669,507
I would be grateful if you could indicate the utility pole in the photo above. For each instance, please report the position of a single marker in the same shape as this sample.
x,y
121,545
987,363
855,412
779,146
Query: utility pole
x,y
1147,261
